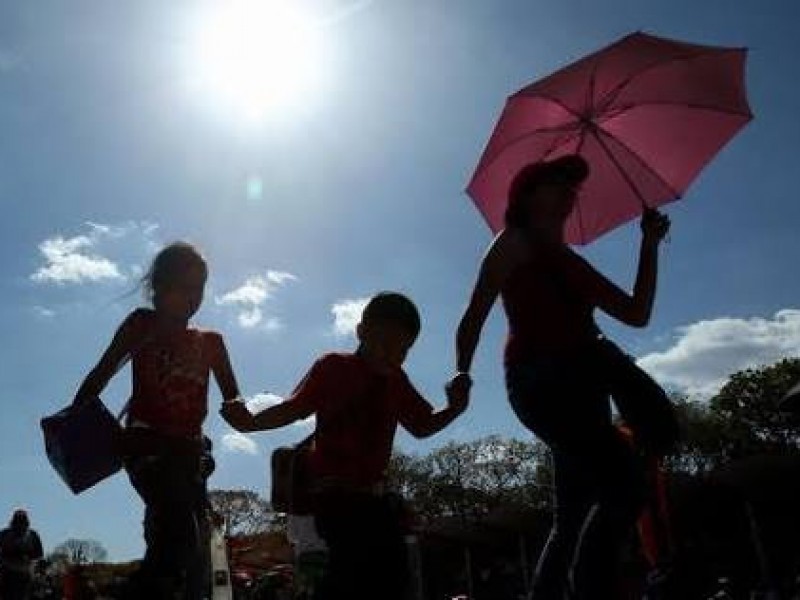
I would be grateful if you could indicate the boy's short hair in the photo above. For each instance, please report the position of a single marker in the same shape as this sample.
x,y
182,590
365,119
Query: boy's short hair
x,y
394,308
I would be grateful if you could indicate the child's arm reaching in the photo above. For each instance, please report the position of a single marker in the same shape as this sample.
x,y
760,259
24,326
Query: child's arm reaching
x,y
287,412
300,405
233,408
118,351
427,423
223,371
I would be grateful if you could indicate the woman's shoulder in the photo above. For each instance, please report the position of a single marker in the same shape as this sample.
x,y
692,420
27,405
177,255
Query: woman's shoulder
x,y
510,246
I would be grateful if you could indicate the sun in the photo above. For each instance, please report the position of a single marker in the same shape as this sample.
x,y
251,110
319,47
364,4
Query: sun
x,y
257,58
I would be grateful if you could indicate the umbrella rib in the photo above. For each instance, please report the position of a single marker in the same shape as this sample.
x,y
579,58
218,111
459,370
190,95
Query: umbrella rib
x,y
551,99
596,131
617,90
519,138
567,127
689,105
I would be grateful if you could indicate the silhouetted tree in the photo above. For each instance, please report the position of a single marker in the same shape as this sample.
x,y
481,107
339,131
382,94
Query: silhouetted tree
x,y
245,512
470,479
79,552
748,411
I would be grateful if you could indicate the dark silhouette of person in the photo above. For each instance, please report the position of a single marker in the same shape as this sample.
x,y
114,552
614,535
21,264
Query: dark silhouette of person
x,y
163,444
20,550
561,370
359,400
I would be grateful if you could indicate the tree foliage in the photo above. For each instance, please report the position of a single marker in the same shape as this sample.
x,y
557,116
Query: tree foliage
x,y
471,479
743,419
747,407
79,552
244,511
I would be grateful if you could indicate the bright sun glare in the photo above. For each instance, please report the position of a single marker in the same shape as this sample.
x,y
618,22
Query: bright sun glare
x,y
258,58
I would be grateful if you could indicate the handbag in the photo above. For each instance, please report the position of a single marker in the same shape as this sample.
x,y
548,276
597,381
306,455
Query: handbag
x,y
82,441
81,444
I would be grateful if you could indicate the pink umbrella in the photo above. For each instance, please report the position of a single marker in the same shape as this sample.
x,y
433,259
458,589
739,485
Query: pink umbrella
x,y
647,113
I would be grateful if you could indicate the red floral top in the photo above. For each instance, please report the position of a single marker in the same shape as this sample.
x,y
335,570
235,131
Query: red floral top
x,y
170,376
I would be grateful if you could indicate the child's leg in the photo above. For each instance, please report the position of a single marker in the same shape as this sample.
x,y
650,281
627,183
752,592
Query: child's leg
x,y
335,522
367,557
168,486
385,552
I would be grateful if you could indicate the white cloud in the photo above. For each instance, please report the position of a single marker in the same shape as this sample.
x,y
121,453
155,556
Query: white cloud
x,y
264,400
346,315
240,443
706,353
44,312
249,299
70,260
83,258
280,277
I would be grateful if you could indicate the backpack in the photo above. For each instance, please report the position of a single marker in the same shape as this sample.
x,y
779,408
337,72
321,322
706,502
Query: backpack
x,y
292,481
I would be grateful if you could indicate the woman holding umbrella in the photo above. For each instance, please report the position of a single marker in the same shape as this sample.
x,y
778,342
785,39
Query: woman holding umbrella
x,y
560,370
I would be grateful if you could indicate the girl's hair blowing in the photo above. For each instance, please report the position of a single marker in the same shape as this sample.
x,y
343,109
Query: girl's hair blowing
x,y
170,263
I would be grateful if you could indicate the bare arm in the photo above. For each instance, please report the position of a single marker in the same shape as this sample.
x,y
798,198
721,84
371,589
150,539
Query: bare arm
x,y
300,405
280,415
241,419
632,309
440,419
118,351
223,371
506,253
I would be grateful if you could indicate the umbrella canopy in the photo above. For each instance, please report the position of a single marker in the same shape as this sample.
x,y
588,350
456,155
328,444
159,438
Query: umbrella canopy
x,y
647,114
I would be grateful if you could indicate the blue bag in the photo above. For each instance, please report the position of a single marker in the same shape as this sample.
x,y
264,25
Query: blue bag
x,y
81,444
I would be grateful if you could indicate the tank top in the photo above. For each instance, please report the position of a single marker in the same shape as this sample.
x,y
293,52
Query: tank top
x,y
170,379
546,316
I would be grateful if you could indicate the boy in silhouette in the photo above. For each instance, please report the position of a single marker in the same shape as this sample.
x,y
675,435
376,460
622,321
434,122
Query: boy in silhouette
x,y
359,399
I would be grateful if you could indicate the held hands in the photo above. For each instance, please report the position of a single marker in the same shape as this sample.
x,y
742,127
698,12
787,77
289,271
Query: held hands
x,y
655,226
458,389
237,415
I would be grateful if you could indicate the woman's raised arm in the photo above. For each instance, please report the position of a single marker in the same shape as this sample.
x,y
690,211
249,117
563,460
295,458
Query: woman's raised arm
x,y
632,309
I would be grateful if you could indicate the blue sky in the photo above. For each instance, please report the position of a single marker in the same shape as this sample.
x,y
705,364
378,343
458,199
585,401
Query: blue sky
x,y
110,147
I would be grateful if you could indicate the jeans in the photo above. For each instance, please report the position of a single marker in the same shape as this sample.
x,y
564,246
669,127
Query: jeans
x,y
173,492
599,479
367,557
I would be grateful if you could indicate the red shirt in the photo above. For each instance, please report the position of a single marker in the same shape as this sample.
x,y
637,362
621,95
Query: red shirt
x,y
170,376
549,302
357,412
